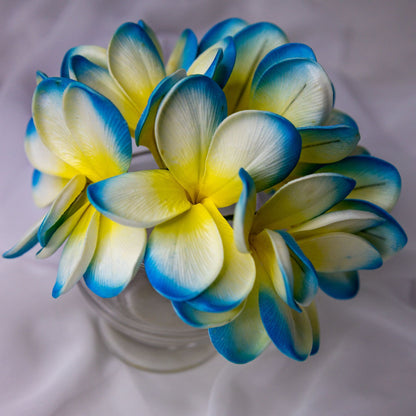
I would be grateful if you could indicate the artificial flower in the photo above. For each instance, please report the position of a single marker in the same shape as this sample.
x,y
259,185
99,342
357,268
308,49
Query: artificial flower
x,y
262,110
308,232
233,73
290,82
274,75
190,253
271,74
130,72
78,137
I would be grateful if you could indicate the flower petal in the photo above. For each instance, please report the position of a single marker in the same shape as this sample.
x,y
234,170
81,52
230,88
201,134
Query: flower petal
x,y
290,330
61,233
135,63
183,53
280,54
341,285
291,272
360,150
305,281
95,54
77,253
139,199
348,220
244,212
377,181
266,145
101,142
201,319
388,237
221,30
42,158
49,119
185,255
302,199
100,80
300,170
244,338
206,63
252,44
145,129
29,240
59,102
236,278
45,188
340,252
274,256
116,259
225,66
70,199
330,143
297,89
216,62
185,124
40,76
152,36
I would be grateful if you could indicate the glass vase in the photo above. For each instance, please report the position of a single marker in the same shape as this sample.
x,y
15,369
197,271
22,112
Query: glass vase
x,y
142,329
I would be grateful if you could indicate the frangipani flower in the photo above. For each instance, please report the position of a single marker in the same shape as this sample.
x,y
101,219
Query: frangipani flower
x,y
291,83
233,72
129,71
252,43
271,74
377,181
260,108
321,237
126,73
376,190
190,253
78,137
280,306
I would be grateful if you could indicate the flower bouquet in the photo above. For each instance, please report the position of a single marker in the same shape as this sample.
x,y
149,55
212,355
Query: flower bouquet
x,y
261,194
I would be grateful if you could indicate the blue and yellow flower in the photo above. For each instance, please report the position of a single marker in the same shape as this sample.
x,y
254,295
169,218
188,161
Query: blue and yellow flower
x,y
191,253
290,82
309,232
131,72
271,74
78,137
253,63
243,111
243,46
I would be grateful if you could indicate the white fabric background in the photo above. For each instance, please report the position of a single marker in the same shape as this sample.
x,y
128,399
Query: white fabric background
x,y
52,361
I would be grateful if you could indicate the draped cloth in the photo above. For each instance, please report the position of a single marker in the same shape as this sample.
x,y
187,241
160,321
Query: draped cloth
x,y
52,359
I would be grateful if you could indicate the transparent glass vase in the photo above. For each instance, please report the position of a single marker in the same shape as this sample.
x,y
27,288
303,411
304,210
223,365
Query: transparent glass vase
x,y
140,326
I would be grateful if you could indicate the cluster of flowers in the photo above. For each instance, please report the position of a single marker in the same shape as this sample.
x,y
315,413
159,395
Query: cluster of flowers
x,y
241,112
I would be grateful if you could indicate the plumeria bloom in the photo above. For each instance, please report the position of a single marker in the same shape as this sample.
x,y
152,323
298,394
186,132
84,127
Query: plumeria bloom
x,y
274,75
130,72
377,190
191,253
306,233
291,83
78,137
255,65
244,45
252,43
318,229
